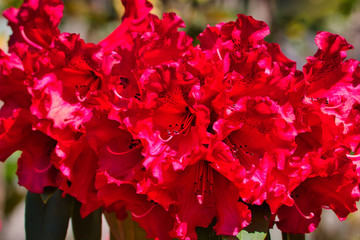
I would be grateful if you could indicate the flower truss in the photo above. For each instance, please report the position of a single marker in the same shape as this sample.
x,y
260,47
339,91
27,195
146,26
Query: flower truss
x,y
179,135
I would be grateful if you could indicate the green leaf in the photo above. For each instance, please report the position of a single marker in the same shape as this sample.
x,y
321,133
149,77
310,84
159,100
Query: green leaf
x,y
259,226
88,228
10,167
47,221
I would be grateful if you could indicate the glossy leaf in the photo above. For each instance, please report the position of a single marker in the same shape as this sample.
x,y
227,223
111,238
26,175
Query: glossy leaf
x,y
88,228
47,221
259,226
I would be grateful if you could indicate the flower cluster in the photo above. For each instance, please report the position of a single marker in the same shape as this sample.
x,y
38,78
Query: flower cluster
x,y
176,134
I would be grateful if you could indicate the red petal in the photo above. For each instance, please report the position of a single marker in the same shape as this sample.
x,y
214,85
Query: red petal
x,y
135,19
232,215
35,170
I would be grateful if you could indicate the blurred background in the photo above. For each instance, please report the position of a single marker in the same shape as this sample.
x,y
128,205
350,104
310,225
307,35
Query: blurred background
x,y
293,24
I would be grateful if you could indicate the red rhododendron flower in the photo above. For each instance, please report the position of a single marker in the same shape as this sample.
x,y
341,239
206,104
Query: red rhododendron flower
x,y
250,66
331,79
181,136
167,116
117,195
118,152
259,141
321,135
135,19
35,170
334,186
35,23
13,132
243,35
13,92
321,131
326,68
78,178
165,43
15,119
197,194
67,84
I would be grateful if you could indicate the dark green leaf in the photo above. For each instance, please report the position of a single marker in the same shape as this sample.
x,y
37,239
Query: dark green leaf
x,y
230,238
207,233
116,228
88,228
35,211
126,229
289,236
132,229
47,221
259,226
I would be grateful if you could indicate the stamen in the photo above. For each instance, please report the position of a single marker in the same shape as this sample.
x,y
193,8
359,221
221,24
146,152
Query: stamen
x,y
200,189
43,170
203,181
200,199
80,98
28,40
118,95
181,127
302,214
353,156
210,179
117,153
201,170
218,52
137,96
165,140
337,106
144,214
238,151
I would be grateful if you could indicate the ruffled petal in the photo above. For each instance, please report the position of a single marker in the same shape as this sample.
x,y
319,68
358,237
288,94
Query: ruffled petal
x,y
35,169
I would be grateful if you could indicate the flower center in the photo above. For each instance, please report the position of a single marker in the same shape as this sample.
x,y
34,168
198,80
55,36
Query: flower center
x,y
239,149
182,126
91,83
